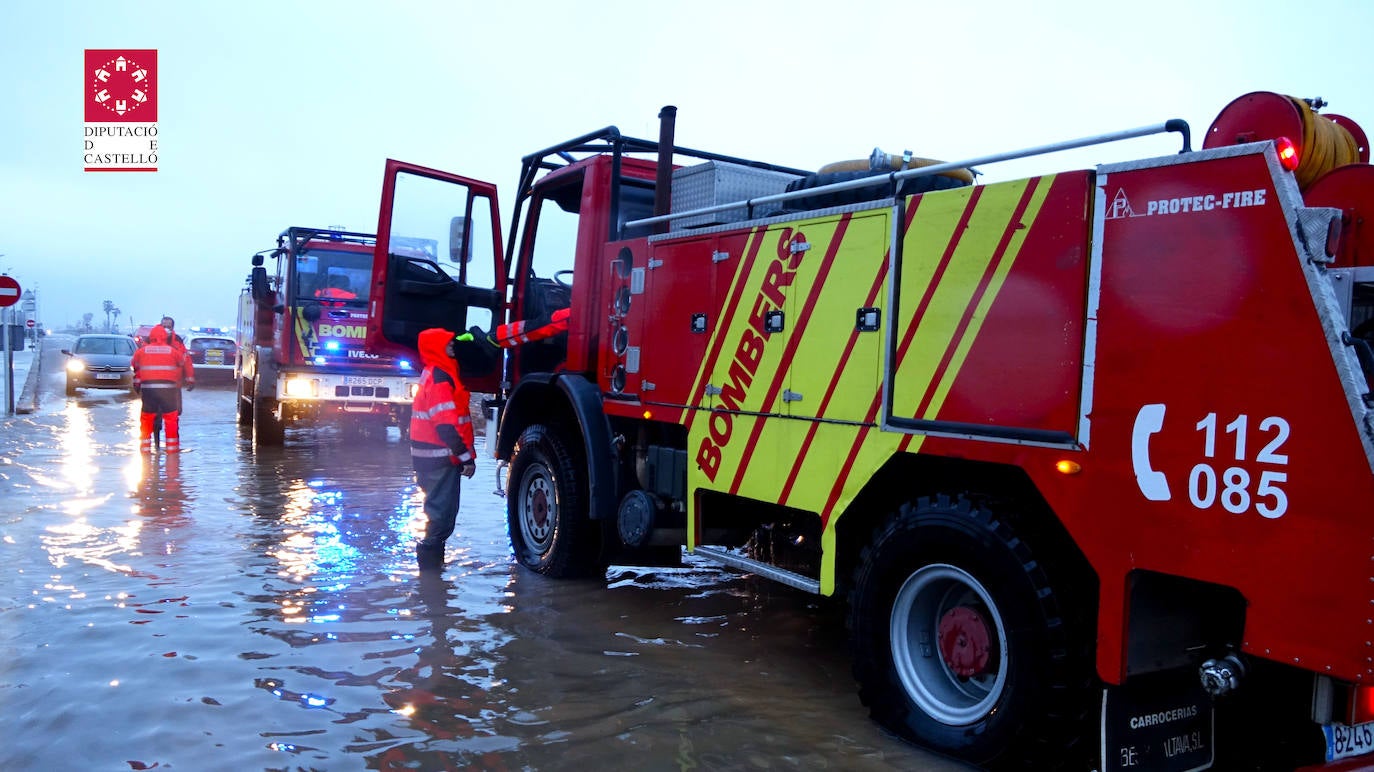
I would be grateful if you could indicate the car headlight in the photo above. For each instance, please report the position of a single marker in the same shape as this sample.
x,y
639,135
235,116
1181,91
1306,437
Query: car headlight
x,y
301,387
75,365
414,389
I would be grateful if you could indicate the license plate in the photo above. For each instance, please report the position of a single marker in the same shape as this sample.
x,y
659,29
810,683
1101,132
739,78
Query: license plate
x,y
1343,742
107,376
362,380
214,356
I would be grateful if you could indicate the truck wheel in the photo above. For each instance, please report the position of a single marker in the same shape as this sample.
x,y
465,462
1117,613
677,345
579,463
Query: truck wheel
x,y
245,405
267,428
960,641
546,509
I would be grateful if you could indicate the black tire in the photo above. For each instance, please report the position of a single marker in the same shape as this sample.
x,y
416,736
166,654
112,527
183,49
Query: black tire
x,y
946,571
546,509
267,428
71,390
245,404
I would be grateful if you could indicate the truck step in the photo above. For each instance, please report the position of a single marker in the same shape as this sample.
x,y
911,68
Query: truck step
x,y
788,578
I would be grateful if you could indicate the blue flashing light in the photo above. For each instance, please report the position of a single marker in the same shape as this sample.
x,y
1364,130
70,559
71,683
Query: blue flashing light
x,y
319,360
404,363
314,701
331,345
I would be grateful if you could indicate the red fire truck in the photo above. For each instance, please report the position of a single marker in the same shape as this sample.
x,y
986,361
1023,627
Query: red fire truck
x,y
300,340
1089,456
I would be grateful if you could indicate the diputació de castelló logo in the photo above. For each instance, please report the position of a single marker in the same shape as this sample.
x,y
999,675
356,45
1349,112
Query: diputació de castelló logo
x,y
120,96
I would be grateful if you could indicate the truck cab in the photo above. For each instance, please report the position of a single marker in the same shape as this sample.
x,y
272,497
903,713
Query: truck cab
x,y
301,336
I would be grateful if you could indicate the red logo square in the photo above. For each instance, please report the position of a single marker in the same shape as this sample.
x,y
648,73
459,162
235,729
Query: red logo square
x,y
121,85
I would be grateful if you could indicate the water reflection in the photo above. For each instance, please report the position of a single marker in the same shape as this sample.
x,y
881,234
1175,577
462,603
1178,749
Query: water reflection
x,y
272,598
78,454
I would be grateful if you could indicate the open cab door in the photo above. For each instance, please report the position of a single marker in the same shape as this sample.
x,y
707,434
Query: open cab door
x,y
438,262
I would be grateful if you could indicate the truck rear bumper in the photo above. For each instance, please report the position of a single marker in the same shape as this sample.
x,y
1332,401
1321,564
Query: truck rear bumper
x,y
1344,765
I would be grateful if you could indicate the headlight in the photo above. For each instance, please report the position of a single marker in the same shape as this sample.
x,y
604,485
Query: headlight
x,y
301,387
75,365
414,389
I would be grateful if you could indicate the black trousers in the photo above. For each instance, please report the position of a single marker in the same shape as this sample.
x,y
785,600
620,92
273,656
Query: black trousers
x,y
442,485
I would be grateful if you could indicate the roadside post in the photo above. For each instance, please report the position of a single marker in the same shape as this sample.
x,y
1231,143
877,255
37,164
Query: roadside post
x,y
9,295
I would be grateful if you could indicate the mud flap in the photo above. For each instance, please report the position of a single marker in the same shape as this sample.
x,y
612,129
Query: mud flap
x,y
1161,722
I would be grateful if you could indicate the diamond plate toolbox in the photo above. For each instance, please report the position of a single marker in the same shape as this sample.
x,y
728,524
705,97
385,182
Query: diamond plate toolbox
x,y
716,182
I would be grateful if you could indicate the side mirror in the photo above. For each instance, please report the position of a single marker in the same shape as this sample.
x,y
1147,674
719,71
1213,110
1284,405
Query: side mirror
x,y
258,282
67,352
257,260
459,240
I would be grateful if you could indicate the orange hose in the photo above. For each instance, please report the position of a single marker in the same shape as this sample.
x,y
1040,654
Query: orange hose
x,y
896,164
1325,145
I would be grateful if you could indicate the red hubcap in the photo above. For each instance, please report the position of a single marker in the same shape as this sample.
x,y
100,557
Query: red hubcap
x,y
965,643
540,504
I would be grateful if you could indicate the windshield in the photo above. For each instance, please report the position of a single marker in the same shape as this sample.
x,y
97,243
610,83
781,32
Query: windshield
x,y
123,346
327,273
200,344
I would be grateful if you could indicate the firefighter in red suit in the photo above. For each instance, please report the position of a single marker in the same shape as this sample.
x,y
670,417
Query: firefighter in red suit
x,y
338,288
441,443
160,369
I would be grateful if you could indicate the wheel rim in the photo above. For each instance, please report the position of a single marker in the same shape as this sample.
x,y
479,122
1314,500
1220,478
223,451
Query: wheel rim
x,y
949,644
538,508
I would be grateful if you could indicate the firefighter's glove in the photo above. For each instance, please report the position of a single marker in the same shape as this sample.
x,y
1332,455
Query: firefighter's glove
x,y
469,469
191,386
477,355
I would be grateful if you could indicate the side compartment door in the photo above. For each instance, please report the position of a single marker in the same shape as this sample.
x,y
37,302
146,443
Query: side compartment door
x,y
438,261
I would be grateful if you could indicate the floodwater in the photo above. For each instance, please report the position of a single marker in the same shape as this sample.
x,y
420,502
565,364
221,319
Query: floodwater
x,y
233,608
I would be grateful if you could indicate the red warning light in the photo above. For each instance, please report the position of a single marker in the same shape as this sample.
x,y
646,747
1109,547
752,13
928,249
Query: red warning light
x,y
1288,153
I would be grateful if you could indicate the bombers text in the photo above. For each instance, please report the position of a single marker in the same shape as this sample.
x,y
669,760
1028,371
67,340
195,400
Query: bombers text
x,y
749,351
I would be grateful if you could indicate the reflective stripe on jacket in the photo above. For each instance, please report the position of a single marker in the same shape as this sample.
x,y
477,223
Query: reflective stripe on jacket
x,y
440,402
159,365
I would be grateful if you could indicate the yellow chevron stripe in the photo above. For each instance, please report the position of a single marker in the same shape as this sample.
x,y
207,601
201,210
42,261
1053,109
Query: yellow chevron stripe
x,y
924,247
718,330
305,333
998,278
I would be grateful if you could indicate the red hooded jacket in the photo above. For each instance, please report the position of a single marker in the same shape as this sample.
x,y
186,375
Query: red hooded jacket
x,y
440,422
160,365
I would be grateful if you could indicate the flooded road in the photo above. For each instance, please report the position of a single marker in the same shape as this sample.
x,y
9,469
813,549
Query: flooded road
x,y
233,608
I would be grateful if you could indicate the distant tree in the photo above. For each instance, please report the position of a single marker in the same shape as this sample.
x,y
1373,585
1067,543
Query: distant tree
x,y
116,313
108,307
86,321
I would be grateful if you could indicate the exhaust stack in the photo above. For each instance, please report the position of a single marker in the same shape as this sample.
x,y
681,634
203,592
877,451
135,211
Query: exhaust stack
x,y
663,182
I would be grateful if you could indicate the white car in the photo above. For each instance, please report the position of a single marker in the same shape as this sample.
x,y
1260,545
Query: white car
x,y
212,354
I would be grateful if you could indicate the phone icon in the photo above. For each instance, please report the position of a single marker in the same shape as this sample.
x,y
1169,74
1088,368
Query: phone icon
x,y
1152,484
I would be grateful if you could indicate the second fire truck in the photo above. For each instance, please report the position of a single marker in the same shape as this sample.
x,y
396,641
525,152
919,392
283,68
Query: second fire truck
x,y
301,333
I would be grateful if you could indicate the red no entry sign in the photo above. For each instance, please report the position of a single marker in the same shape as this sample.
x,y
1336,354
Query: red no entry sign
x,y
9,291
29,324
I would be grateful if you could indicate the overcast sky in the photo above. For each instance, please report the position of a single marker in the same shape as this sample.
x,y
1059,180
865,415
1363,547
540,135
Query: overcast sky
x,y
274,114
